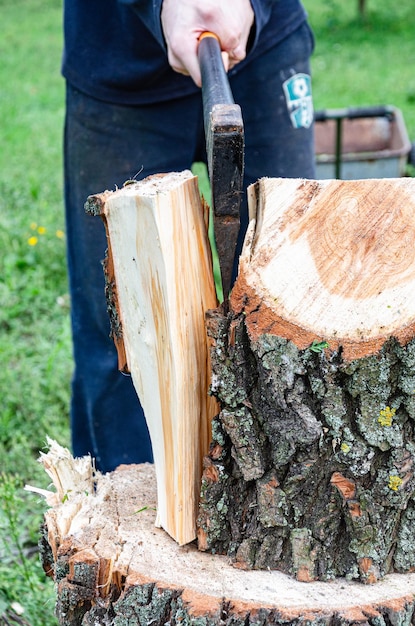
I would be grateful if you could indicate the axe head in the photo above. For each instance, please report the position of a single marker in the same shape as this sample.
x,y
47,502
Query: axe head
x,y
225,153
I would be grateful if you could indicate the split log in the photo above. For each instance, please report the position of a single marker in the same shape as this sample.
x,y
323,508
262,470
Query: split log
x,y
112,567
159,284
311,468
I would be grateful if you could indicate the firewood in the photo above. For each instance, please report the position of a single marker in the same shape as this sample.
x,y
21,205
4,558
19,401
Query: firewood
x,y
159,285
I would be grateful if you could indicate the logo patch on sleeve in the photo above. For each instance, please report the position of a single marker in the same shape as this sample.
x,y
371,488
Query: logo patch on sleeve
x,y
297,90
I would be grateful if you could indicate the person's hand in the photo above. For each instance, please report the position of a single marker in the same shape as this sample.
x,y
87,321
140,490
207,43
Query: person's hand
x,y
183,21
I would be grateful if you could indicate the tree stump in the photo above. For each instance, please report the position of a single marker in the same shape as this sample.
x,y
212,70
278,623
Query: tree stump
x,y
113,567
311,468
310,474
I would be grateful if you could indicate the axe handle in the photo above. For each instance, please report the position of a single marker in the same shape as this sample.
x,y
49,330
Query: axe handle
x,y
215,83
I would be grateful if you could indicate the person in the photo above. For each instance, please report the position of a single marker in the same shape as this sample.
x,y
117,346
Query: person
x,y
133,104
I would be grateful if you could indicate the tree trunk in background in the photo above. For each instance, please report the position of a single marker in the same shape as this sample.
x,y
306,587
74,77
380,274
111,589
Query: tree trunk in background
x,y
311,468
362,7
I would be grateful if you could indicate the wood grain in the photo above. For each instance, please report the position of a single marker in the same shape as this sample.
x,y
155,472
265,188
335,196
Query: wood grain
x,y
331,260
111,565
163,282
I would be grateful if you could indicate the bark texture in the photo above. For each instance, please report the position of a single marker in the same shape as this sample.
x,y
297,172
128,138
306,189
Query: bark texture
x,y
311,468
112,567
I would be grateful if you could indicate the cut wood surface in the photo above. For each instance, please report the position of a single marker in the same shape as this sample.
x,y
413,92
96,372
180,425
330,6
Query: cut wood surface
x,y
160,284
112,566
311,468
331,260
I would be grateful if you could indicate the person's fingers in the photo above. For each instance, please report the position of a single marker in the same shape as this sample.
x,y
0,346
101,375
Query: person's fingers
x,y
185,61
239,53
226,60
182,29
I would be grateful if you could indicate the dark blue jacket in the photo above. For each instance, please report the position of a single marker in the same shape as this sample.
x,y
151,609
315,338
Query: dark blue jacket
x,y
115,50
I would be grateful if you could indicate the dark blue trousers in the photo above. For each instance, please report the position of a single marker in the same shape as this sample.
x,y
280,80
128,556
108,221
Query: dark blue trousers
x,y
105,145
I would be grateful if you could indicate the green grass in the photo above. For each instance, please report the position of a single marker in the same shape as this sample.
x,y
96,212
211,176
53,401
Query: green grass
x,y
370,62
355,63
35,349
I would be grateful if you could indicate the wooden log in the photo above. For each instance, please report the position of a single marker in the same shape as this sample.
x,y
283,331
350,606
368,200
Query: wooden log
x,y
112,567
159,285
311,468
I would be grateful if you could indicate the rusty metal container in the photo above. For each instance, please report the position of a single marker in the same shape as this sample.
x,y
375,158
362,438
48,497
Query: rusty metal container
x,y
358,143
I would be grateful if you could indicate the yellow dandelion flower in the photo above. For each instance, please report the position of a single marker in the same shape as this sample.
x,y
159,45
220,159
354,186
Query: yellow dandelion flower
x,y
394,482
32,241
33,226
60,234
41,230
386,416
345,448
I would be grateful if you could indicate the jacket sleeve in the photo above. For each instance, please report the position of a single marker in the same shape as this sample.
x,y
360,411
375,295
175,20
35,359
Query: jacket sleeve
x,y
262,11
149,13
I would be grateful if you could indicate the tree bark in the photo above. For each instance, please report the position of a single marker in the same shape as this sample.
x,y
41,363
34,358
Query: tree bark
x,y
159,284
311,465
112,567
311,468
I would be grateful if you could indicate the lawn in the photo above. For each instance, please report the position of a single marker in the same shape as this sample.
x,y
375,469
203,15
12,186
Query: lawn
x,y
370,62
355,63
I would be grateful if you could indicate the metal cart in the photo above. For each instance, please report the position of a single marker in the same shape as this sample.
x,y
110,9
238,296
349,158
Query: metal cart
x,y
367,142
